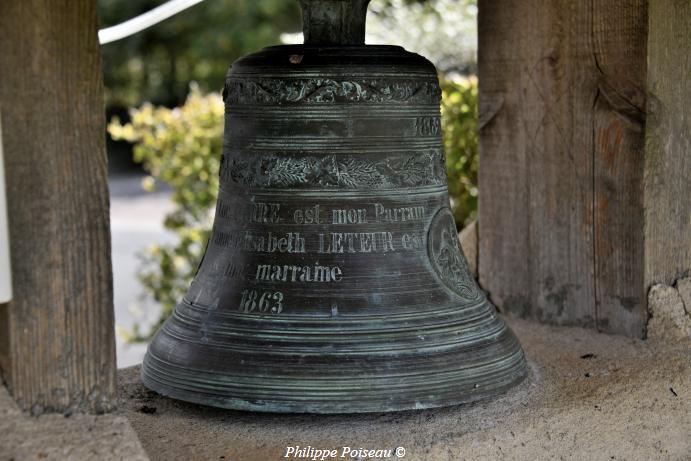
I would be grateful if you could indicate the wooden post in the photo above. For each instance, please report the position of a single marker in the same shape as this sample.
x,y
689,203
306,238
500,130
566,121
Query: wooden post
x,y
576,217
58,348
668,143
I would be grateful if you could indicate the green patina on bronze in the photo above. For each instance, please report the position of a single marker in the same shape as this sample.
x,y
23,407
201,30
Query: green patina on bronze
x,y
333,281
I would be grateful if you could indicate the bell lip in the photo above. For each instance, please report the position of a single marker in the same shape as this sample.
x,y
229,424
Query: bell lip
x,y
416,397
346,408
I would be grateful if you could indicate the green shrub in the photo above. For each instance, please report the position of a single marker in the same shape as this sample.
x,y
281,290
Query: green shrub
x,y
182,147
459,110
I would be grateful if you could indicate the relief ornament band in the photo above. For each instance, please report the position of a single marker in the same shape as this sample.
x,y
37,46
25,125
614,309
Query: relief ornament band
x,y
269,91
335,171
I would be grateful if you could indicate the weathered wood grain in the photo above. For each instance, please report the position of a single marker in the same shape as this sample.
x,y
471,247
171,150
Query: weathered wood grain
x,y
59,351
562,105
619,34
504,266
668,143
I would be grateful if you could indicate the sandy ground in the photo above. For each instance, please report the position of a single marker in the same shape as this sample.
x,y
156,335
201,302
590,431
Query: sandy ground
x,y
589,396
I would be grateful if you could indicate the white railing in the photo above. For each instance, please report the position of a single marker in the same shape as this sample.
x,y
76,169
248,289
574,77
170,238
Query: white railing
x,y
144,21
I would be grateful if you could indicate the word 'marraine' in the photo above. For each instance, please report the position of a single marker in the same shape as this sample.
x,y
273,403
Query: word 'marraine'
x,y
290,273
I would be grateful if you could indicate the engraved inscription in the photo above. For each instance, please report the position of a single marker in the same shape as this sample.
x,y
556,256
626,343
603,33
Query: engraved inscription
x,y
289,242
261,213
447,257
332,171
308,215
292,273
231,240
356,242
264,302
328,91
275,245
427,126
221,267
349,216
383,214
265,212
324,243
412,242
233,271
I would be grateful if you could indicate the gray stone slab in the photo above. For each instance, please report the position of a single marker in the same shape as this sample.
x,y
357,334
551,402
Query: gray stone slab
x,y
669,316
78,437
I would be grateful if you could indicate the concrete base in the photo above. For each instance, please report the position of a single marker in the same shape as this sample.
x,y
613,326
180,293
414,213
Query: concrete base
x,y
589,396
60,437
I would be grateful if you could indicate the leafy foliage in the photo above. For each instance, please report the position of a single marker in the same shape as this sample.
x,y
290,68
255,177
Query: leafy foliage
x,y
443,31
199,44
182,147
459,111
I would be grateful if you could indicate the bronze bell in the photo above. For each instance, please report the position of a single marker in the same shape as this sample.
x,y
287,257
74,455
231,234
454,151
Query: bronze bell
x,y
333,280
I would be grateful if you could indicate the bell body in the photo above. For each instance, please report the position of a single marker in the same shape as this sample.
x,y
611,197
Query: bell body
x,y
333,280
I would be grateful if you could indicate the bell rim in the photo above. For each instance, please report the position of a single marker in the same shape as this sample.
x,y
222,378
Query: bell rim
x,y
520,373
462,382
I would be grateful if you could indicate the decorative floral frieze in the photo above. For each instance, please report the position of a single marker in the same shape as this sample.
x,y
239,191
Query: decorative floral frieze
x,y
328,91
335,171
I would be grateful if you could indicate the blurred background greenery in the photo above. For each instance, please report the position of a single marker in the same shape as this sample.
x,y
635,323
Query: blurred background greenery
x,y
198,44
166,113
